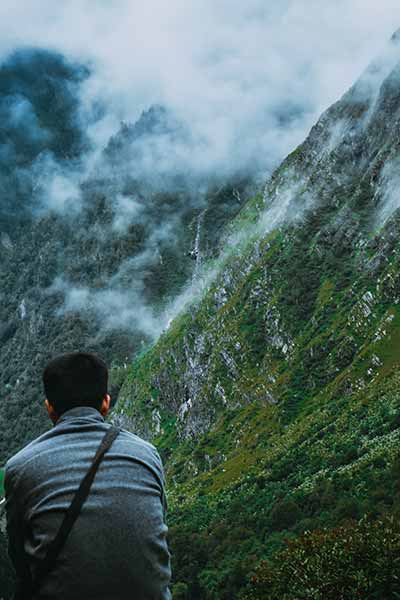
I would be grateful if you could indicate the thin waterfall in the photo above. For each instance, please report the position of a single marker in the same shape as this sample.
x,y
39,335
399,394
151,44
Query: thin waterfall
x,y
196,252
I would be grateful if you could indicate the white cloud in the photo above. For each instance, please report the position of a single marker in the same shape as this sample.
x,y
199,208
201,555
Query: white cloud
x,y
388,192
115,308
127,210
233,70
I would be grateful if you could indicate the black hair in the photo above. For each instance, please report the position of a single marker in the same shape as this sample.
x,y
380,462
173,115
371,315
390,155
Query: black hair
x,y
75,379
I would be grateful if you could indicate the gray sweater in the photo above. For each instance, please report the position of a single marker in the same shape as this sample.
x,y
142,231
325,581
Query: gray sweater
x,y
117,548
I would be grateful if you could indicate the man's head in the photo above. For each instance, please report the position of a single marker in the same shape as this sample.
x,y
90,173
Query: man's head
x,y
75,379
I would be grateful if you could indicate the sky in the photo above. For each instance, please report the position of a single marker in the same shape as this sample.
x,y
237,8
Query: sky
x,y
249,77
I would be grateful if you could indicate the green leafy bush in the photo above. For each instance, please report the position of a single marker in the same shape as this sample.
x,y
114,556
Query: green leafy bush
x,y
358,561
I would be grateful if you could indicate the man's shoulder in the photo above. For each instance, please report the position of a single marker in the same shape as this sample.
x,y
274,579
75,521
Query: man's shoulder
x,y
133,438
34,456
21,461
27,452
140,448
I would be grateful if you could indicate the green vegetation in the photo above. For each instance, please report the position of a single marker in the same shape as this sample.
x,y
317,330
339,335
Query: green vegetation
x,y
360,561
275,401
326,452
340,462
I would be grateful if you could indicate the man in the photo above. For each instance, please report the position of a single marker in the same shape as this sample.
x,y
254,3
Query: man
x,y
117,547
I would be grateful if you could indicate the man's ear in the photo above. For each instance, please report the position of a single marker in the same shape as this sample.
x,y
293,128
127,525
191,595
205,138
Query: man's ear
x,y
105,405
50,411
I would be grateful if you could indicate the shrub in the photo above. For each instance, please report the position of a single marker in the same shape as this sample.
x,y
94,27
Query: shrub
x,y
358,561
180,591
285,514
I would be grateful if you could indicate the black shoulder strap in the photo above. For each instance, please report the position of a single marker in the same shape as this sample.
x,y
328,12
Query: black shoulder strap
x,y
56,545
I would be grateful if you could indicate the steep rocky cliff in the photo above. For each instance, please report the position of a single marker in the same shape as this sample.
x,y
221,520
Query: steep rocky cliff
x,y
275,398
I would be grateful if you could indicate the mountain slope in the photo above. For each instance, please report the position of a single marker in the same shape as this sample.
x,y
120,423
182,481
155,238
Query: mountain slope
x,y
275,399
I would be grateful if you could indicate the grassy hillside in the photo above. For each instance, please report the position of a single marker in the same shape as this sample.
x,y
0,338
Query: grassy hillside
x,y
275,401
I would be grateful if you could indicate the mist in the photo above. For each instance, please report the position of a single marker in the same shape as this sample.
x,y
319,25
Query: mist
x,y
247,79
178,98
